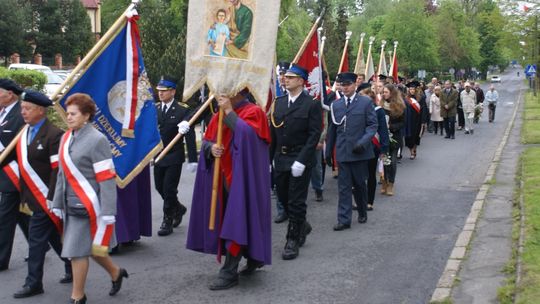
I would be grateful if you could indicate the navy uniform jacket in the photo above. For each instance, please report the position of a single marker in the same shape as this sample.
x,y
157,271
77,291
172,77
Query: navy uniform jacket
x,y
356,126
168,129
299,133
12,124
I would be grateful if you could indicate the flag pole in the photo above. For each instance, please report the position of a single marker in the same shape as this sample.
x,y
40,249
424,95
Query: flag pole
x,y
90,56
308,37
215,182
12,144
345,48
191,122
360,54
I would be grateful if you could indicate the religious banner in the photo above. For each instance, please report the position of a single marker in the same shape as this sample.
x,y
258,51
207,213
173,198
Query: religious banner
x,y
230,46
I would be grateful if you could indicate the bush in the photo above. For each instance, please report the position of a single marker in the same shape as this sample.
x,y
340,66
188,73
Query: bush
x,y
25,78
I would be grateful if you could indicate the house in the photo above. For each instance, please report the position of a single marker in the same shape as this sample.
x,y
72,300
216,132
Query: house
x,y
93,9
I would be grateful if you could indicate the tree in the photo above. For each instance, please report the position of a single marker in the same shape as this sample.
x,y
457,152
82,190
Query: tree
x,y
12,29
77,30
490,23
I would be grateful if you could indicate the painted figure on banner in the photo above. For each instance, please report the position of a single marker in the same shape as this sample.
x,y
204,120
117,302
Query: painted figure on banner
x,y
219,34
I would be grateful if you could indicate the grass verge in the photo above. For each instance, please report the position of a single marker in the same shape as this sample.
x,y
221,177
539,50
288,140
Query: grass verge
x,y
529,289
531,120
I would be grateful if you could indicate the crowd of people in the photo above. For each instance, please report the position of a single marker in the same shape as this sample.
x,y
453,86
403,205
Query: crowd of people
x,y
64,195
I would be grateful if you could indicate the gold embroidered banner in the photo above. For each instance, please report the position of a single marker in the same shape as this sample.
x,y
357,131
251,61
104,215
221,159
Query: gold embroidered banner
x,y
230,46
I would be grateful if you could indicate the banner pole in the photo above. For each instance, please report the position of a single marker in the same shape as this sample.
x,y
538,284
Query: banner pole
x,y
12,144
215,183
191,122
308,38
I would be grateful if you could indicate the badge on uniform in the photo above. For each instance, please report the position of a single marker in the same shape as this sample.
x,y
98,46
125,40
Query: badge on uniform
x,y
40,147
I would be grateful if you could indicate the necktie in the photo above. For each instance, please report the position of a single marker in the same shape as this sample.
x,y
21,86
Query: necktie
x,y
2,115
163,111
348,102
289,104
31,134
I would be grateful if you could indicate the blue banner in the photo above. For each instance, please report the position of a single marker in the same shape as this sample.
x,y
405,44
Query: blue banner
x,y
105,81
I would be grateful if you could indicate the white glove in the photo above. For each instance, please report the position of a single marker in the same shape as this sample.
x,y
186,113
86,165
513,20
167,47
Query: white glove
x,y
297,169
183,127
58,212
192,167
108,219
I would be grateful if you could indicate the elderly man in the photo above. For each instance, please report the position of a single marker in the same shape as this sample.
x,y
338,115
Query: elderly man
x,y
37,156
468,100
171,121
11,122
492,97
449,100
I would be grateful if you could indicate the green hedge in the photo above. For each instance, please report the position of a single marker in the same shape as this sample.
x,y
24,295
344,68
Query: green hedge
x,y
25,78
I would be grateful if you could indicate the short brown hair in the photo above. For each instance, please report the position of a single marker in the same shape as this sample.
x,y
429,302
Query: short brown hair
x,y
84,102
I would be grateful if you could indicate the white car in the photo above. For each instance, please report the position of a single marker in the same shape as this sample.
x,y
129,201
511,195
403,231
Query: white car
x,y
53,83
495,78
29,66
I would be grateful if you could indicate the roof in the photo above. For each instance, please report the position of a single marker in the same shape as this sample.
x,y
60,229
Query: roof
x,y
90,3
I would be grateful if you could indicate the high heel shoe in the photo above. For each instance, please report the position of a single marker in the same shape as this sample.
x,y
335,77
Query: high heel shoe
x,y
79,301
116,285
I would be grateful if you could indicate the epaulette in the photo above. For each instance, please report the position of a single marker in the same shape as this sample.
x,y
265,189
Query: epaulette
x,y
184,105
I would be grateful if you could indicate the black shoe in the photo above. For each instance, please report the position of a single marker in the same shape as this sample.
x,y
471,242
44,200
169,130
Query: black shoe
x,y
340,226
251,267
305,231
116,285
452,137
280,218
166,227
318,196
447,136
467,132
221,283
472,131
2,268
79,301
177,218
67,278
362,219
291,250
26,292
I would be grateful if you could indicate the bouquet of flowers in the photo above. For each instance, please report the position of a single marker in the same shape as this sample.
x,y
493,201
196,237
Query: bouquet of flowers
x,y
478,109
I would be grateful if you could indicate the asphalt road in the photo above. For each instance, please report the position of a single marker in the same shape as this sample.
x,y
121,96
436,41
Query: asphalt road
x,y
397,257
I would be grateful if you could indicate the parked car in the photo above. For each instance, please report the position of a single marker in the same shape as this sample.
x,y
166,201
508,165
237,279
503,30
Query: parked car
x,y
29,66
53,83
495,78
62,73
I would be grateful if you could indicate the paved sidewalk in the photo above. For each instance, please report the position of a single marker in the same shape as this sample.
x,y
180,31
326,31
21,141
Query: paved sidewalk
x,y
481,272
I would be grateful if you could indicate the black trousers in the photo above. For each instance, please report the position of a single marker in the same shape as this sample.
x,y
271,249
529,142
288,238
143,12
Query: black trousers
x,y
292,192
42,232
167,180
492,108
450,125
372,180
461,118
9,218
438,125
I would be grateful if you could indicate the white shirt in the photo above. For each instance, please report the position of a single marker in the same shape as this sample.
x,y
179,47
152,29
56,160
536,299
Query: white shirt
x,y
165,106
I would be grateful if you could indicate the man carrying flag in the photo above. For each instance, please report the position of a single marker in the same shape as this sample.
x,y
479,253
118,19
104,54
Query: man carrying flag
x,y
244,223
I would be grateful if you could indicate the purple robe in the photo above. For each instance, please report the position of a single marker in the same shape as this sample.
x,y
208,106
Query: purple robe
x,y
246,219
134,211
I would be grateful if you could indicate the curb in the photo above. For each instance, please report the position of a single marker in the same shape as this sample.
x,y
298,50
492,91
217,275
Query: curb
x,y
445,284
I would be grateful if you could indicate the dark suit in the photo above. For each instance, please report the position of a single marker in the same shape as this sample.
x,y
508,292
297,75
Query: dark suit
x,y
168,170
42,230
351,130
450,99
9,197
296,131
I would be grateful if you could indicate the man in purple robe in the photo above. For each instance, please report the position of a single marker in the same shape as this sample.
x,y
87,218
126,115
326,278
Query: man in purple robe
x,y
243,214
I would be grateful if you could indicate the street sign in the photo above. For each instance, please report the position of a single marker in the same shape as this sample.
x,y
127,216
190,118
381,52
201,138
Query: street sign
x,y
530,70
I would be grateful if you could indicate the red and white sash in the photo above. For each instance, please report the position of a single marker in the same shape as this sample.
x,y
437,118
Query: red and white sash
x,y
36,185
414,104
101,233
12,172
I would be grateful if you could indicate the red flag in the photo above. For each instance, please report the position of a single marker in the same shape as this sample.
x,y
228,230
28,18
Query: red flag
x,y
345,66
309,60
